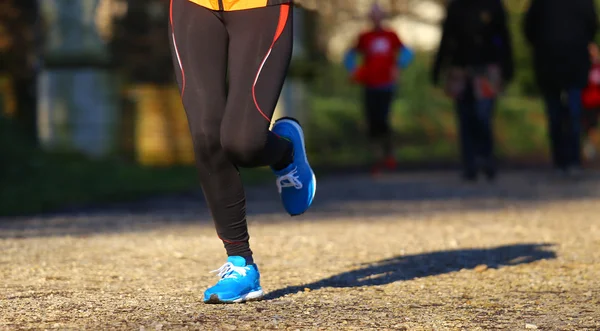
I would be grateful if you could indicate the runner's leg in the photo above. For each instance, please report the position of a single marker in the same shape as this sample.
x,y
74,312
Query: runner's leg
x,y
199,43
260,50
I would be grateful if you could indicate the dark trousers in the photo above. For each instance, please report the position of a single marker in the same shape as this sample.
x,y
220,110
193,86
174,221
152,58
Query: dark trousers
x,y
564,126
378,102
475,131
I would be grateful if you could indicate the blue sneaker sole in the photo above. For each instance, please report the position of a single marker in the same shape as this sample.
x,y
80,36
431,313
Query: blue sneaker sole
x,y
296,124
313,196
252,296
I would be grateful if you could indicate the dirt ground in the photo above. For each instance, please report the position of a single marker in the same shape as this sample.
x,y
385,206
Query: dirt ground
x,y
417,251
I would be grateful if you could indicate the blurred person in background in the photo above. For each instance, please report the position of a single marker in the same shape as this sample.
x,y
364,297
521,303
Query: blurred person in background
x,y
231,59
475,56
560,33
383,55
591,105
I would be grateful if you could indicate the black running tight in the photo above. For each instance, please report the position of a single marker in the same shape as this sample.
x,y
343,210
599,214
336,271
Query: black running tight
x,y
230,69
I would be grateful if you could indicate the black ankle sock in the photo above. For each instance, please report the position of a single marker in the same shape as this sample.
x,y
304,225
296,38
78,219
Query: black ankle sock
x,y
287,159
249,259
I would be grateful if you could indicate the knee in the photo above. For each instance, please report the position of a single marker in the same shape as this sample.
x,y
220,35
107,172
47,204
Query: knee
x,y
206,145
242,150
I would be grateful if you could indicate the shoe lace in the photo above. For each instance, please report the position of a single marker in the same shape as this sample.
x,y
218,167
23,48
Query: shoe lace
x,y
228,270
289,180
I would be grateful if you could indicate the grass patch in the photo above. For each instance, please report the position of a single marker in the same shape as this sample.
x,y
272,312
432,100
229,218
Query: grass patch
x,y
59,181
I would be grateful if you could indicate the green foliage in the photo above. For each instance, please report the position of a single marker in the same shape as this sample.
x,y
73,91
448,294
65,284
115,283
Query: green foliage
x,y
524,81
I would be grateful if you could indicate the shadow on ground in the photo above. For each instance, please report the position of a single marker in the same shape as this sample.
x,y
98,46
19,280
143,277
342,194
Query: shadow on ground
x,y
409,267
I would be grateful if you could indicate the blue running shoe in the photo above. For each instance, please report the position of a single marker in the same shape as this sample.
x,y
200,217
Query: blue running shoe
x,y
239,283
296,183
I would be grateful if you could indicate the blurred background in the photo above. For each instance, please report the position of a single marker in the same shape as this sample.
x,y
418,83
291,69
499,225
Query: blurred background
x,y
90,112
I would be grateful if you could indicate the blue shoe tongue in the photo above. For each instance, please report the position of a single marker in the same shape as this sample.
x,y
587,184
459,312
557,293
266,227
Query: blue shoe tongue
x,y
237,261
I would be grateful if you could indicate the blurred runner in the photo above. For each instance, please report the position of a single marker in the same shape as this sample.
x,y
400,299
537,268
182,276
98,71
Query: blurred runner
x,y
475,54
383,54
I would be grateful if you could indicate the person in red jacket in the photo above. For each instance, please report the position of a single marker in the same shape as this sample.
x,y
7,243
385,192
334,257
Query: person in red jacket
x,y
591,104
382,54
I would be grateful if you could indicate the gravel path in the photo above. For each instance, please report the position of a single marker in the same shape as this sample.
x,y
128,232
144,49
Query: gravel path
x,y
418,251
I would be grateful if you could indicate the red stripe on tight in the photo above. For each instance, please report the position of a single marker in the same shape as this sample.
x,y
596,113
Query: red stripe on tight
x,y
284,11
283,17
231,242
